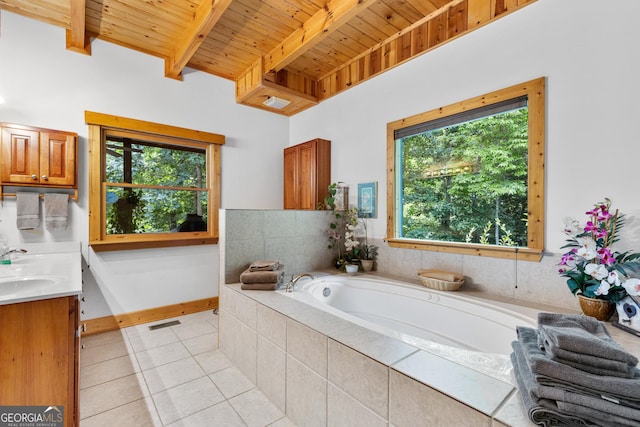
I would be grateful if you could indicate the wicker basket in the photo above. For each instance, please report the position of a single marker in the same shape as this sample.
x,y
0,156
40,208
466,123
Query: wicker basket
x,y
438,284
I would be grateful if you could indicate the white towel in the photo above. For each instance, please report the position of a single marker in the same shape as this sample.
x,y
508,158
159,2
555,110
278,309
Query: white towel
x,y
27,210
56,207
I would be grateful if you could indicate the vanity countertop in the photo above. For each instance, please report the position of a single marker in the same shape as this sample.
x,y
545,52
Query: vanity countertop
x,y
46,270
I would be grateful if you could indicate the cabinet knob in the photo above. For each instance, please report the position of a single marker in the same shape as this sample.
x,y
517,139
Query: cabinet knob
x,y
45,177
34,176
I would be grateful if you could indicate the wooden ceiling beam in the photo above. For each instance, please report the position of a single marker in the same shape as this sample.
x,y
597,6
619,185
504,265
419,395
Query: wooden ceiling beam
x,y
313,31
207,16
77,38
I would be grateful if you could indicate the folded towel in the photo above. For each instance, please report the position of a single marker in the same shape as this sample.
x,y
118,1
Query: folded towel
x,y
581,335
264,266
27,210
441,275
571,403
551,373
604,419
56,207
276,276
541,411
259,286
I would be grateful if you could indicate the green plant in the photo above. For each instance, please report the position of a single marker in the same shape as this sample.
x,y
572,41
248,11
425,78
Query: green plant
x,y
592,266
368,251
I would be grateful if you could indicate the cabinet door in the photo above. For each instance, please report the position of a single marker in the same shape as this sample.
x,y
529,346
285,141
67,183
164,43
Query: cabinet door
x,y
57,158
37,354
290,178
307,176
20,156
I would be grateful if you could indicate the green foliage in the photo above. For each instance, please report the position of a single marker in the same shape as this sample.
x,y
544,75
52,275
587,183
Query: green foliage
x,y
453,206
155,209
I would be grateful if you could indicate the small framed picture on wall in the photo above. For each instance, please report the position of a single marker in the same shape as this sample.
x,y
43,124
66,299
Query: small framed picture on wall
x,y
367,200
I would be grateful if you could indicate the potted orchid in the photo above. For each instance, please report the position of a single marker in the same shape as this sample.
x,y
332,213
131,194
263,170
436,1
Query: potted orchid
x,y
341,232
593,267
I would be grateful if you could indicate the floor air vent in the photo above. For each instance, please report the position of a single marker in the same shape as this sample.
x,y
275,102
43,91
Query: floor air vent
x,y
164,325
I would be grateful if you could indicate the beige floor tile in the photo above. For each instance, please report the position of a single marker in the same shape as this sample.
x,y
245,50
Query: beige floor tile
x,y
152,339
96,354
186,399
255,409
282,422
172,374
103,338
213,361
109,395
108,370
231,382
139,413
206,316
162,355
193,329
221,414
202,343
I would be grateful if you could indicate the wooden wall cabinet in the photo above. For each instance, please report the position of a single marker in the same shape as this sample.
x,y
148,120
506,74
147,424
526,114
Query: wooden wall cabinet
x,y
39,355
37,156
307,174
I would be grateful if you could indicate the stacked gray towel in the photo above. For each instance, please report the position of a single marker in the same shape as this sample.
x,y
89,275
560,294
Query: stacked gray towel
x,y
262,275
555,386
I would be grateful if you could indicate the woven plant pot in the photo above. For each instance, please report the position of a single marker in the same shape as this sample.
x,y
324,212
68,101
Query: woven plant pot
x,y
598,308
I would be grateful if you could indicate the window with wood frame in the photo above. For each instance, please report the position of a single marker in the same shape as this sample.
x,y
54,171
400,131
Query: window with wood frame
x,y
469,177
151,185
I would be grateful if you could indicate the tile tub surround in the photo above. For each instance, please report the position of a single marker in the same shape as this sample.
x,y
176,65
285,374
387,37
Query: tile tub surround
x,y
322,370
298,239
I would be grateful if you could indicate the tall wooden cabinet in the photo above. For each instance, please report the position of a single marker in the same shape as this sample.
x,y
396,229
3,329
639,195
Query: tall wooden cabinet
x,y
37,156
39,355
307,174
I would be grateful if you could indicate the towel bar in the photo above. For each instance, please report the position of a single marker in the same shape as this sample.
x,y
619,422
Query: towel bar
x,y
73,196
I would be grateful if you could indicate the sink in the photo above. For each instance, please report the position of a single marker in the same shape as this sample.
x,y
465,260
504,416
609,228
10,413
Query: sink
x,y
16,284
50,270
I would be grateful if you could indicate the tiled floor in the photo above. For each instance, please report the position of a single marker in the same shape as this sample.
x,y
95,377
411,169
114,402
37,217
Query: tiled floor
x,y
172,376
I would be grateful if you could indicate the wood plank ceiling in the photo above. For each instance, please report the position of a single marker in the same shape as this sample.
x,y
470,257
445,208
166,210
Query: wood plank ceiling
x,y
302,51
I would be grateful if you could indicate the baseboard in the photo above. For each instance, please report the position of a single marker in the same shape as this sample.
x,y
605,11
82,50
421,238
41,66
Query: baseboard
x,y
112,323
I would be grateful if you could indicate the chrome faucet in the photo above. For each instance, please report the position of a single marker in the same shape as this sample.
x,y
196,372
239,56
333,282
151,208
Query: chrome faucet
x,y
5,254
12,251
294,280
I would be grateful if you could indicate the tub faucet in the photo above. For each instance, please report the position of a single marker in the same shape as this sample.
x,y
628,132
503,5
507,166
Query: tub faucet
x,y
294,280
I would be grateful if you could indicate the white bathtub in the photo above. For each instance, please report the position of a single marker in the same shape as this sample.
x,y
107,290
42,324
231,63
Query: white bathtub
x,y
440,322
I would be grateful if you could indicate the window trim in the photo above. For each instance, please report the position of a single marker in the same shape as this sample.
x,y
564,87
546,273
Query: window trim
x,y
535,91
98,239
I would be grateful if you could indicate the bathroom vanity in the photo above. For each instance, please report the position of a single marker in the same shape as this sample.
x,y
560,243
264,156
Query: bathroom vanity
x,y
39,318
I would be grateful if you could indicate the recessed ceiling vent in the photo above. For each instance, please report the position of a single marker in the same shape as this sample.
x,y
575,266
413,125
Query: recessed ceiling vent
x,y
275,102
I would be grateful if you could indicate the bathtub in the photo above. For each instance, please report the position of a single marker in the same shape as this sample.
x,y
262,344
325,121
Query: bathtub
x,y
468,330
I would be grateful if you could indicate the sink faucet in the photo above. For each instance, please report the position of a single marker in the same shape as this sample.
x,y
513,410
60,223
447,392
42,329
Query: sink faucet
x,y
5,254
292,283
13,251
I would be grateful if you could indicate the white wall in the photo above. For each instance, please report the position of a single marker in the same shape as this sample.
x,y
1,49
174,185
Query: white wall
x,y
588,54
47,86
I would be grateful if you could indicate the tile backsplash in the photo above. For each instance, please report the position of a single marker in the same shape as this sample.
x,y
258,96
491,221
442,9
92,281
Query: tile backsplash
x,y
295,238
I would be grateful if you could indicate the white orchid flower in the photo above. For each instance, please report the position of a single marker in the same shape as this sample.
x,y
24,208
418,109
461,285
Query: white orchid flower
x,y
603,289
597,271
571,226
588,248
632,286
613,278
